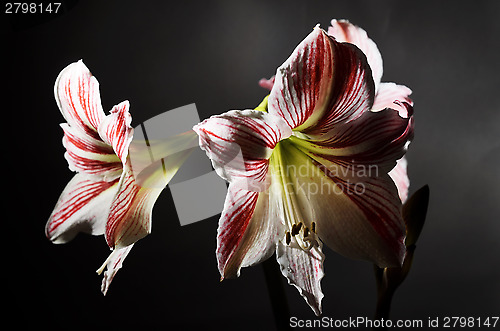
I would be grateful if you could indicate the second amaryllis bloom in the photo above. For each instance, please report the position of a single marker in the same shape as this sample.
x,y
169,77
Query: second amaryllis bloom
x,y
310,166
116,183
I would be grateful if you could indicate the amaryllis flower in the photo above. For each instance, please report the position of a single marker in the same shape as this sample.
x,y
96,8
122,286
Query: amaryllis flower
x,y
107,195
310,166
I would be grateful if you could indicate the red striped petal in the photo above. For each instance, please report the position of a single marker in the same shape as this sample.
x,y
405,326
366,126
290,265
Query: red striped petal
x,y
77,95
116,131
238,211
90,155
83,206
304,270
375,139
239,143
303,83
380,207
130,215
352,92
343,31
249,228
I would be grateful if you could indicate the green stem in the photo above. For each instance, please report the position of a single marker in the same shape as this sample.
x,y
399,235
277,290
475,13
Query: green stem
x,y
277,294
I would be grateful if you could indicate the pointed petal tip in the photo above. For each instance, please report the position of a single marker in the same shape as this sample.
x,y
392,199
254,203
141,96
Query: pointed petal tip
x,y
303,270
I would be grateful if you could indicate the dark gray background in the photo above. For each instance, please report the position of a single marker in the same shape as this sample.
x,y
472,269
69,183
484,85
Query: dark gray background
x,y
162,55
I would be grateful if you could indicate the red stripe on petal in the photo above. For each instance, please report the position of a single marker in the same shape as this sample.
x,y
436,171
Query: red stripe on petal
x,y
239,143
352,90
302,84
376,138
130,215
115,130
82,201
343,31
90,156
77,94
380,203
85,143
238,211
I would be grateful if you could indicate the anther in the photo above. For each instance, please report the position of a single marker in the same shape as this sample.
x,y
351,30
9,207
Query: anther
x,y
288,238
306,231
313,227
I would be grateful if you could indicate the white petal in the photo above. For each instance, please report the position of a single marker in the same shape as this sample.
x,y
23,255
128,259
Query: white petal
x,y
304,270
112,264
83,206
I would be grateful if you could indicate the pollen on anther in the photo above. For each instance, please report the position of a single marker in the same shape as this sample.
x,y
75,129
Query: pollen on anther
x,y
313,227
306,231
288,238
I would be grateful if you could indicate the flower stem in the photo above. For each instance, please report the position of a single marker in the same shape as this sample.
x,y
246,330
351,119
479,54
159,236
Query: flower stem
x,y
277,294
384,296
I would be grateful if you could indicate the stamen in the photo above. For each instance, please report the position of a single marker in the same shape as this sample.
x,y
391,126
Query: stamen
x,y
296,228
306,231
288,239
313,227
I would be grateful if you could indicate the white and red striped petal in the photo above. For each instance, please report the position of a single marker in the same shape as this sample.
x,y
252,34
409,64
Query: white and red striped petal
x,y
374,139
77,95
304,270
352,93
390,95
365,220
322,84
112,264
344,31
116,131
249,228
303,83
89,155
235,218
239,144
82,206
130,214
